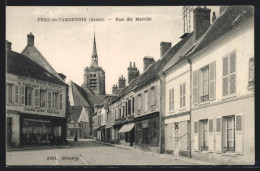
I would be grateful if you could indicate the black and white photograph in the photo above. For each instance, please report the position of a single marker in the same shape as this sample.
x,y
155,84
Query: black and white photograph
x,y
130,85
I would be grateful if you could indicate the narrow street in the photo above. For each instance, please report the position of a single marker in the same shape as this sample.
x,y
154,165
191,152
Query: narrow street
x,y
87,152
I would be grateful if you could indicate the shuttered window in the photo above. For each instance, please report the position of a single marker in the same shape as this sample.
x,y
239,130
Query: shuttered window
x,y
171,99
182,95
37,97
10,93
60,101
195,87
16,92
22,90
49,97
229,74
251,76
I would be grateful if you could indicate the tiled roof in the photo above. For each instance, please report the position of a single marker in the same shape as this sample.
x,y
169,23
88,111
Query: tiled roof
x,y
75,112
229,19
80,97
155,68
20,64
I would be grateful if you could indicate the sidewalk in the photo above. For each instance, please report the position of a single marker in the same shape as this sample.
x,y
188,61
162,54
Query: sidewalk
x,y
35,148
187,159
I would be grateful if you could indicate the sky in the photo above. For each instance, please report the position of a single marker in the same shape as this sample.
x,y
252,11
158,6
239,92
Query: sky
x,y
67,46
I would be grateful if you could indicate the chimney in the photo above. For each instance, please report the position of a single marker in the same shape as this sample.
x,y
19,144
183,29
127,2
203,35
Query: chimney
x,y
62,76
30,39
114,88
201,21
214,17
147,62
121,82
164,47
132,72
8,45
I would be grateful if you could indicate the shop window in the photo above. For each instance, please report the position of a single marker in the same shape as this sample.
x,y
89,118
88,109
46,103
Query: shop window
x,y
171,99
43,98
229,74
10,93
154,130
204,133
182,95
28,96
138,133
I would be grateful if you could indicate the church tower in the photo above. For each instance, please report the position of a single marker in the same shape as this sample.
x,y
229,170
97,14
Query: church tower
x,y
94,76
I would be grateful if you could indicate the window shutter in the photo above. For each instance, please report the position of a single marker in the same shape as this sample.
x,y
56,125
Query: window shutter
x,y
36,96
170,97
172,102
142,102
22,88
218,135
49,99
211,135
149,100
135,104
16,93
225,76
239,133
195,87
200,75
158,95
155,96
181,95
196,136
60,96
212,80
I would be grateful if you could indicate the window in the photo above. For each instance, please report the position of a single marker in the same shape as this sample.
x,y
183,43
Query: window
x,y
204,137
129,107
42,98
133,104
251,77
22,90
229,134
171,99
49,99
37,97
229,74
139,103
60,101
182,95
204,86
55,100
28,96
126,109
16,92
146,101
10,94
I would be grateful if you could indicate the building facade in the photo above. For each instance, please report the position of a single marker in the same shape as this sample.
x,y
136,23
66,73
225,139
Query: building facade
x,y
36,102
223,90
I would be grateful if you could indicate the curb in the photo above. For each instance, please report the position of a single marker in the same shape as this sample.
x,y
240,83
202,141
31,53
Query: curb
x,y
38,148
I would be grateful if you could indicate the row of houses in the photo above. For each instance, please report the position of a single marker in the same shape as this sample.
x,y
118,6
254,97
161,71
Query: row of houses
x,y
197,100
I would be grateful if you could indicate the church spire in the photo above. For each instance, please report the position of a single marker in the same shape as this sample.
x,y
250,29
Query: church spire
x,y
94,58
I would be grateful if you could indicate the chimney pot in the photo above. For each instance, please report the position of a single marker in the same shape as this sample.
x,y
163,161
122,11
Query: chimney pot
x,y
30,39
8,45
130,64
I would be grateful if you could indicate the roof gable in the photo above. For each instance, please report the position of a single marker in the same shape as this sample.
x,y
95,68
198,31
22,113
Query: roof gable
x,y
75,112
20,64
84,115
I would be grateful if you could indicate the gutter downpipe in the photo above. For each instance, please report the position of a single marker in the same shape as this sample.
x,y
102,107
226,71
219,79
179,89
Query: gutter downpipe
x,y
189,61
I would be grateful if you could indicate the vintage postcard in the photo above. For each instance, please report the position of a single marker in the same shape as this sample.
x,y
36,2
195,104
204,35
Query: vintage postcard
x,y
130,85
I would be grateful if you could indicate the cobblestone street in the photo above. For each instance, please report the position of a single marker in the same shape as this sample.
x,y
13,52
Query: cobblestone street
x,y
87,152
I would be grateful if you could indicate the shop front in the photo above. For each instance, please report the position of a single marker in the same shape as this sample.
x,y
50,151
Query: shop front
x,y
40,130
147,132
127,134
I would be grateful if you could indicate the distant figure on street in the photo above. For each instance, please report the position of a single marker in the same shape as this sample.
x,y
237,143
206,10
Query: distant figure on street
x,y
76,138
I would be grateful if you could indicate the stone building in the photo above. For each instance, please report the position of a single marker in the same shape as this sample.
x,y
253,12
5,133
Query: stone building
x,y
37,99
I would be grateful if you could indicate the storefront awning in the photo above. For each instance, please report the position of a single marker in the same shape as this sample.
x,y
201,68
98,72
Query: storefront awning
x,y
127,127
